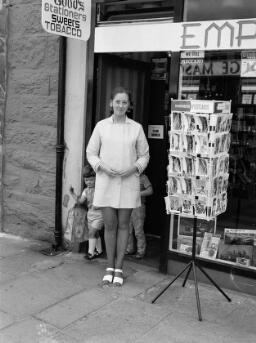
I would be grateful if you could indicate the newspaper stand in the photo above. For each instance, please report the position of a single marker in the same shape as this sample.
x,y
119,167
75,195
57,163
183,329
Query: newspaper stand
x,y
198,170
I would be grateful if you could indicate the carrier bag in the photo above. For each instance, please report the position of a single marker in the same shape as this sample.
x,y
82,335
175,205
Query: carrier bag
x,y
76,229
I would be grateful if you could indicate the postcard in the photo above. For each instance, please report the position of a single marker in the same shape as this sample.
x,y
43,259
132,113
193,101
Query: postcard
x,y
187,205
200,206
202,186
189,166
202,144
175,141
188,121
175,203
189,144
176,122
201,166
175,164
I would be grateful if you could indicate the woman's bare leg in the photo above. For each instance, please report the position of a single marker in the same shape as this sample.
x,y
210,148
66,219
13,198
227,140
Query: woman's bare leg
x,y
110,223
124,215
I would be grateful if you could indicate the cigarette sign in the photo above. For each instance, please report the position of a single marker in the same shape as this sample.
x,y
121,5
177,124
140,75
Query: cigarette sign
x,y
69,18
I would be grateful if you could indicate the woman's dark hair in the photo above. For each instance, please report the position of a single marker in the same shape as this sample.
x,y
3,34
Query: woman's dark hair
x,y
118,90
88,171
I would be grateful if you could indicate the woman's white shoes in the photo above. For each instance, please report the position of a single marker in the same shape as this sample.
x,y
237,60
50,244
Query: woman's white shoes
x,y
114,276
118,279
108,277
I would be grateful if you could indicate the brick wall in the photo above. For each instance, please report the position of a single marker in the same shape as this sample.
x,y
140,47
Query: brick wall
x,y
30,124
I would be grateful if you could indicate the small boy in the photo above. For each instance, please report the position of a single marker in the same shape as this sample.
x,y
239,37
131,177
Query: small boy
x,y
137,220
94,215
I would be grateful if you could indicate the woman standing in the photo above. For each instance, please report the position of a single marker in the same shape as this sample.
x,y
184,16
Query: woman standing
x,y
118,152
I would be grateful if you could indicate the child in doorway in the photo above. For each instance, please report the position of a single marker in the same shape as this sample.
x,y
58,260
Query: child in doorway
x,y
137,221
94,215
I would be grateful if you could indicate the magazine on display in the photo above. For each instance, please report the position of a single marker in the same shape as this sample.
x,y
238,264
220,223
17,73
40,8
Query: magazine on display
x,y
239,237
229,252
198,167
186,227
210,245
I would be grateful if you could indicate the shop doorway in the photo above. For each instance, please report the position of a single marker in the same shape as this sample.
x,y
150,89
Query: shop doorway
x,y
146,76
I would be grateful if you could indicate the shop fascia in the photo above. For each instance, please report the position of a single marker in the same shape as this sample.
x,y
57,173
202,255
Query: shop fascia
x,y
166,36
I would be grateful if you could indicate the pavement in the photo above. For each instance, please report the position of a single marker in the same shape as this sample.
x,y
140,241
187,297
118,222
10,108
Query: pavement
x,y
59,299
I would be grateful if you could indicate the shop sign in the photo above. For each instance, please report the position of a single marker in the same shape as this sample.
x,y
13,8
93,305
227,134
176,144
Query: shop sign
x,y
239,34
201,106
156,131
210,68
68,18
193,54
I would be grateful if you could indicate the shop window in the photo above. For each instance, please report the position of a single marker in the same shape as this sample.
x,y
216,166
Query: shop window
x,y
226,76
130,10
219,9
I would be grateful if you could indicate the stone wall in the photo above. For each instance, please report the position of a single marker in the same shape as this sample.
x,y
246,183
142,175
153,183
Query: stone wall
x,y
30,124
3,56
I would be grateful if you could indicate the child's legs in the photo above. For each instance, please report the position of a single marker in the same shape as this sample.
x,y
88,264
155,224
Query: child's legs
x,y
94,227
138,224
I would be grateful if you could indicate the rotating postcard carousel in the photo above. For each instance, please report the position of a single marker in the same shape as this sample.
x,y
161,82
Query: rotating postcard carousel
x,y
198,158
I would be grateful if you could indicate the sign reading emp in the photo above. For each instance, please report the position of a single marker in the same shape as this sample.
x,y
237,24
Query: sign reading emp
x,y
69,18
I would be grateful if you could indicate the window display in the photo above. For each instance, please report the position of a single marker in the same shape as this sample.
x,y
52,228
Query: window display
x,y
218,76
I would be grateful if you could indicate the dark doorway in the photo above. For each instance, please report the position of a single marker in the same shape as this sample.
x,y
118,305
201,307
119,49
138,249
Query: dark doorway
x,y
146,75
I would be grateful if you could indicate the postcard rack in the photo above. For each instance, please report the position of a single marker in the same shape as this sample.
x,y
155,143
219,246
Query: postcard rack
x,y
198,169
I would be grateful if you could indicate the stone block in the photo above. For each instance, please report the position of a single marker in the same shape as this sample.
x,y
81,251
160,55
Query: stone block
x,y
36,137
38,109
28,13
36,51
30,181
29,81
45,163
34,211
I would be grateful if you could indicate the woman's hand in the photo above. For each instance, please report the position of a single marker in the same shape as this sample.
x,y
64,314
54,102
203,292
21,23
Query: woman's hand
x,y
108,170
128,172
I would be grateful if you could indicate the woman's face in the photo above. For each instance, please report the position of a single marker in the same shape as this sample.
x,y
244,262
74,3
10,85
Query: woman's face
x,y
120,104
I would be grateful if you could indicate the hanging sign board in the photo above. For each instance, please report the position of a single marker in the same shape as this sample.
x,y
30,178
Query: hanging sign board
x,y
68,18
234,34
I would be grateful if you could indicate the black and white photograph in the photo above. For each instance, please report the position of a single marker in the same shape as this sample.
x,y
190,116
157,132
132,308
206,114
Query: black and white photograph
x,y
118,120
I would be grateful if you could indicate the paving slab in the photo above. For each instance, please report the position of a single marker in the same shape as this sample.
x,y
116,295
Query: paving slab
x,y
75,307
28,330
124,320
180,328
5,319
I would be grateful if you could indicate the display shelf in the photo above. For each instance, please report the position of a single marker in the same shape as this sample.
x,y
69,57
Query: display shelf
x,y
217,260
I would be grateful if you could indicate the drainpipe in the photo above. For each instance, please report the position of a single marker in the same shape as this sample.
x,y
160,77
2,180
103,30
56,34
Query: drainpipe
x,y
60,150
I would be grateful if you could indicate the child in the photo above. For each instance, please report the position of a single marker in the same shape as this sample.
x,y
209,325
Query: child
x,y
94,215
137,220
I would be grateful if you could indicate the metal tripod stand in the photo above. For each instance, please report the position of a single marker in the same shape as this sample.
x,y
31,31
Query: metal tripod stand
x,y
192,266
